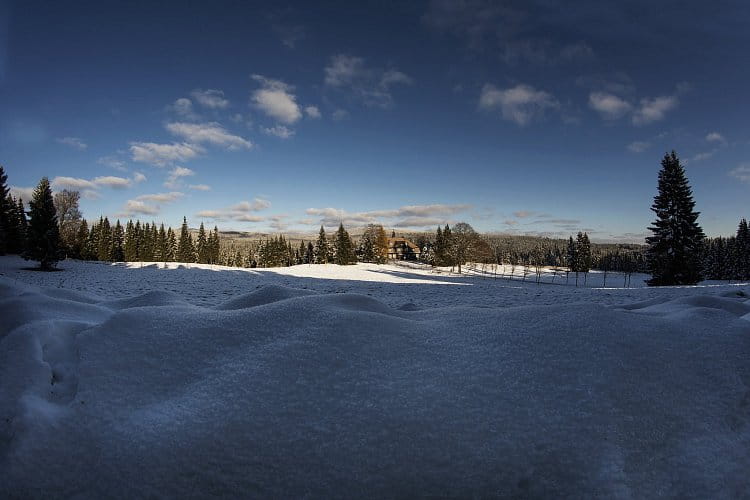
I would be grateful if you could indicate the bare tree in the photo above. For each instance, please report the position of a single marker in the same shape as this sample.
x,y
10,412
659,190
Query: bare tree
x,y
68,216
464,243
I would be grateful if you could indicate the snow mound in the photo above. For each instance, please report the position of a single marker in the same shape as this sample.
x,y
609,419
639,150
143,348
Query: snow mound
x,y
707,305
265,295
285,393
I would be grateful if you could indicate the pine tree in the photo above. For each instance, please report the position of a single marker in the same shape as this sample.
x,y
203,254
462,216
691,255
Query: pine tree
x,y
343,247
741,258
321,248
43,237
215,246
161,245
22,228
171,246
131,243
674,250
5,213
13,227
80,248
104,252
201,246
185,249
117,254
310,253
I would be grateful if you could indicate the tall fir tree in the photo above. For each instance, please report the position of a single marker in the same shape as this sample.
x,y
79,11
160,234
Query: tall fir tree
x,y
131,242
171,246
185,249
742,252
5,213
321,248
117,254
201,245
343,247
674,250
80,248
23,225
104,252
43,234
381,245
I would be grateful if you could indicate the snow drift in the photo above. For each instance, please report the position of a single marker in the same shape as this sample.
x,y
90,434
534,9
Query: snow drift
x,y
289,393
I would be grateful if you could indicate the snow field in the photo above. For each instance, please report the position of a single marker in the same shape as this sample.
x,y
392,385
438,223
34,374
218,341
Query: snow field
x,y
133,389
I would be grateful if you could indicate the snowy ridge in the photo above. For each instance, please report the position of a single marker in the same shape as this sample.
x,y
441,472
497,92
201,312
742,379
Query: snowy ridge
x,y
287,392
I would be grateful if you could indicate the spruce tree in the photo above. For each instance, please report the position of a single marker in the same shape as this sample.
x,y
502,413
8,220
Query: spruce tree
x,y
23,225
201,246
310,253
80,248
131,243
344,248
381,245
104,252
171,246
185,249
5,213
161,245
12,227
215,246
117,254
674,250
321,248
43,234
741,258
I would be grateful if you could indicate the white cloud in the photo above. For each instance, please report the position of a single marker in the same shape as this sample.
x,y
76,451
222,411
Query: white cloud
x,y
213,133
638,146
139,177
610,106
200,187
289,35
249,218
112,162
63,182
312,112
184,107
112,181
138,207
256,205
716,137
279,131
406,216
210,214
275,99
211,98
651,110
703,156
73,142
162,155
25,193
520,104
372,86
161,197
742,173
175,175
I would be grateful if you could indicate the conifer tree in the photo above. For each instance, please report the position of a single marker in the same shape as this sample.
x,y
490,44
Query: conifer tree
x,y
367,244
161,245
215,246
321,248
185,249
104,252
201,246
742,252
5,213
13,231
43,236
138,236
117,254
171,246
131,243
343,247
80,248
674,250
310,253
19,245
301,252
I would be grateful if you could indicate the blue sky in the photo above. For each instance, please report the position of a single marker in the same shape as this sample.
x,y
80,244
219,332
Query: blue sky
x,y
523,117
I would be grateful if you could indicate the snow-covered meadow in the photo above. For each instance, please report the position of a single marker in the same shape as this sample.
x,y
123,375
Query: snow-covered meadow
x,y
324,381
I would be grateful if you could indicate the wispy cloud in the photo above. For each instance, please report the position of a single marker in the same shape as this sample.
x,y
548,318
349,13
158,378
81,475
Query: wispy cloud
x,y
716,138
244,211
73,142
654,109
133,207
275,99
162,155
289,34
161,197
742,172
519,104
112,162
279,131
211,133
609,106
417,216
174,179
371,85
183,107
638,146
62,182
211,98
312,112
200,187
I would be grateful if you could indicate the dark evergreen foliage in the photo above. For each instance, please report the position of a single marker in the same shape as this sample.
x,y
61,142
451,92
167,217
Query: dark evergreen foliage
x,y
674,250
43,234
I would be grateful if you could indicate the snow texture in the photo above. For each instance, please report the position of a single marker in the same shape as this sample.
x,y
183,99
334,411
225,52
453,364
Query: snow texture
x,y
216,382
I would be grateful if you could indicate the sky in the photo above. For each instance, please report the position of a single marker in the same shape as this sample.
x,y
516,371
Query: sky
x,y
525,117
